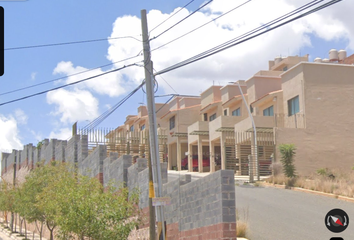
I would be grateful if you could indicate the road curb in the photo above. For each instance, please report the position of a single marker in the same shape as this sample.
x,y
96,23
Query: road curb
x,y
343,198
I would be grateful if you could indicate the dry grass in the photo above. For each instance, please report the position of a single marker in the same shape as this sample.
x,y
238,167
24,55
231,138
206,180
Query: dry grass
x,y
341,184
241,229
242,222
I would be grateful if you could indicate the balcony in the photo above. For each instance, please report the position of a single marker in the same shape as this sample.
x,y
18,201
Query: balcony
x,y
259,121
199,128
223,124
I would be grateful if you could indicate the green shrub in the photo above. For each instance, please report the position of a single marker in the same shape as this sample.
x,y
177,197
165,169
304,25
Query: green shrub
x,y
287,152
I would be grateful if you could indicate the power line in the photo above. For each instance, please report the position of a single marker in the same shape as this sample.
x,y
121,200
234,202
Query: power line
x,y
107,113
166,82
66,85
67,43
182,19
163,45
74,74
171,16
165,103
243,38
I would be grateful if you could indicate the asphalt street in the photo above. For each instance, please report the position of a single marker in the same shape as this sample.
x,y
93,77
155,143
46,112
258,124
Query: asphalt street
x,y
280,214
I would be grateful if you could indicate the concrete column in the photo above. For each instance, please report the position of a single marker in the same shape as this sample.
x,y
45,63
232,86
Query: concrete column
x,y
190,155
200,154
179,154
212,156
253,153
169,165
222,151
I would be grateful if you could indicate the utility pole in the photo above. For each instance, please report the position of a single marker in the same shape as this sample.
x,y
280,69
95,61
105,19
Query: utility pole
x,y
149,80
152,218
14,184
255,135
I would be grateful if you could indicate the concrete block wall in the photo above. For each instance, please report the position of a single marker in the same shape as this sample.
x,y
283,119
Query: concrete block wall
x,y
27,155
60,147
133,172
49,151
202,209
44,146
36,157
18,159
82,148
71,150
4,157
172,189
117,170
92,165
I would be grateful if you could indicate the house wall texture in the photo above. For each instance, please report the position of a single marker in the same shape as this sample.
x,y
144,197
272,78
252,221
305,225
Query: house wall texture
x,y
327,98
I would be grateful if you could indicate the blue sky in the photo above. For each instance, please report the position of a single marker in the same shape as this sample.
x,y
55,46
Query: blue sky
x,y
36,22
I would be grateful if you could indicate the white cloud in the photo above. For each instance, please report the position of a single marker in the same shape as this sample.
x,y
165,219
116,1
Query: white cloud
x,y
61,134
21,117
239,62
110,84
33,76
9,137
74,105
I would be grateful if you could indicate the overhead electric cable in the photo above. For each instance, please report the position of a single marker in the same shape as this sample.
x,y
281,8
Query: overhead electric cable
x,y
264,26
168,29
66,85
195,29
74,74
68,43
171,16
107,113
165,103
167,82
233,43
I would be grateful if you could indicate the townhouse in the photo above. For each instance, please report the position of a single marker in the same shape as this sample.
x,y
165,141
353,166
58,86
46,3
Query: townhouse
x,y
294,101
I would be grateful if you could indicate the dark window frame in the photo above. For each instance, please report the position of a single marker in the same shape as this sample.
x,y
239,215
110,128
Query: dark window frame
x,y
172,122
293,106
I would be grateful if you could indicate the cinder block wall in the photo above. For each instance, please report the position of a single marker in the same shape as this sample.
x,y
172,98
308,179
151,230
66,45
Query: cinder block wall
x,y
4,163
117,170
59,154
71,150
49,151
133,172
92,165
82,148
202,209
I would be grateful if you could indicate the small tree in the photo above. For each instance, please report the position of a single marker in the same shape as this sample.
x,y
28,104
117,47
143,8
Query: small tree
x,y
287,152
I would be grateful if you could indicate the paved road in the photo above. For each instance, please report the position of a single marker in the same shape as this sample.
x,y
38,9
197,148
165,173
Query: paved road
x,y
279,214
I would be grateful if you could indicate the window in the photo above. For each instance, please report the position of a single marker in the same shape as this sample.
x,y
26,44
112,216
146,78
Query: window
x,y
225,112
212,117
236,112
172,122
132,128
142,127
285,68
293,106
205,117
251,108
268,111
